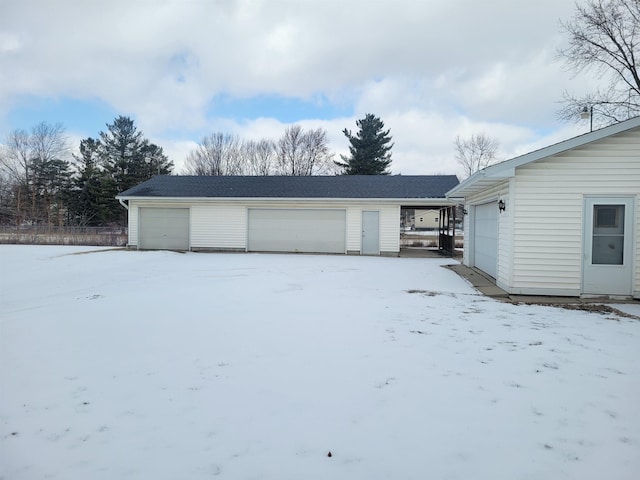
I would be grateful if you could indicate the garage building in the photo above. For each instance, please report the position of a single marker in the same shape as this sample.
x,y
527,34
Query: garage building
x,y
351,214
563,220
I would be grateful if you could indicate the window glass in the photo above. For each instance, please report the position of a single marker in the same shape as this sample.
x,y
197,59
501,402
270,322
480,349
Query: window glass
x,y
607,246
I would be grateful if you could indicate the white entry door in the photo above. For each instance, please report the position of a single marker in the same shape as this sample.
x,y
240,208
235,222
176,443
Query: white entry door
x,y
608,241
370,233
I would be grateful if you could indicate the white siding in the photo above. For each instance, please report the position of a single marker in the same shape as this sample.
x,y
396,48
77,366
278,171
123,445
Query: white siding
x,y
541,232
636,287
505,240
223,225
466,257
219,227
354,229
548,218
133,225
389,227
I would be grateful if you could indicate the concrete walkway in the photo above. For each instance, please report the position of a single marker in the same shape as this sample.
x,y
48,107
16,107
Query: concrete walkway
x,y
486,285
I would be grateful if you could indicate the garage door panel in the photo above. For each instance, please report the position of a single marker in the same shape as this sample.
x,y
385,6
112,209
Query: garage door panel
x,y
486,238
297,230
164,228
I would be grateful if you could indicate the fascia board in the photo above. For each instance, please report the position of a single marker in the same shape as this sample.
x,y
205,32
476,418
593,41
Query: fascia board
x,y
403,201
507,169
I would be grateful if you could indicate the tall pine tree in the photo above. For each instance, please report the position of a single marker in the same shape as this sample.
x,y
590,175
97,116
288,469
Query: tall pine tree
x,y
370,148
89,205
128,159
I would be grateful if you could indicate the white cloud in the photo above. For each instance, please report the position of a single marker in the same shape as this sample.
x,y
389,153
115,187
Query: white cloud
x,y
430,70
9,43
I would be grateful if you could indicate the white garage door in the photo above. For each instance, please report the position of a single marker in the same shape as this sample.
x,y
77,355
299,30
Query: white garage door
x,y
485,238
297,230
164,229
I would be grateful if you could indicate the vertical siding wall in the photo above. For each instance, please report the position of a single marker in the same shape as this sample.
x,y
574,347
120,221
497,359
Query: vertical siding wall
x,y
354,229
389,229
548,220
219,226
133,224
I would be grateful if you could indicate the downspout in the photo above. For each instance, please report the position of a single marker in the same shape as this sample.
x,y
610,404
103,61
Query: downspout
x,y
127,208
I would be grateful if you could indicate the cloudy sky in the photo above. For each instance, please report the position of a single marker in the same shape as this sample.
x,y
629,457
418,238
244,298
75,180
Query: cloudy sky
x,y
430,69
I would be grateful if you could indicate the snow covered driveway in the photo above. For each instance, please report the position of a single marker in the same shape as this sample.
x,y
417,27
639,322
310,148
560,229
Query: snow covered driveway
x,y
159,365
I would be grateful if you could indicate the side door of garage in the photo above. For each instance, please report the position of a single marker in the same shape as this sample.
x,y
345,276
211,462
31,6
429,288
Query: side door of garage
x,y
608,246
485,238
163,228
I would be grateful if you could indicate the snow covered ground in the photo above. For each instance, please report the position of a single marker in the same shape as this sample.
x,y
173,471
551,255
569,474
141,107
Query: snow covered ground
x,y
159,365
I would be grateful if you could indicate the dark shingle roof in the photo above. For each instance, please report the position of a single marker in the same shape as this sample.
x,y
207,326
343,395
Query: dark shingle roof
x,y
343,186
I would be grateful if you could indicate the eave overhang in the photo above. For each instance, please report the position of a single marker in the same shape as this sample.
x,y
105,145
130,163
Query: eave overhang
x,y
407,202
494,174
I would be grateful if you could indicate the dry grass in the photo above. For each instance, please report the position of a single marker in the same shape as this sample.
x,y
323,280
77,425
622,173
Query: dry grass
x,y
429,240
98,236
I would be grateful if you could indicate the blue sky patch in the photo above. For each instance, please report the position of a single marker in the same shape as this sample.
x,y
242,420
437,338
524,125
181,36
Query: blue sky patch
x,y
283,109
88,116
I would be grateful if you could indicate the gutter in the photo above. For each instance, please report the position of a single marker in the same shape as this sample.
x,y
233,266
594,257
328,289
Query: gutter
x,y
123,204
308,200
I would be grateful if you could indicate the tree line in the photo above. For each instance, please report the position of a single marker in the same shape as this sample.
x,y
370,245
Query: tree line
x,y
298,152
43,183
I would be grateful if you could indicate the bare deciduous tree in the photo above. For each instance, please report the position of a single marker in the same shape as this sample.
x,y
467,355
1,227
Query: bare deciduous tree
x,y
302,153
259,157
297,152
36,165
476,152
7,212
603,37
218,154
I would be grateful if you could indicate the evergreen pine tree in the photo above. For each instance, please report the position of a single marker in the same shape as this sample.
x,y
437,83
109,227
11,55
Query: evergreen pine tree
x,y
370,148
128,159
88,203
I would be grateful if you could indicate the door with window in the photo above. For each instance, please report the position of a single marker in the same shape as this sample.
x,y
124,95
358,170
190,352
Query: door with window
x,y
608,243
